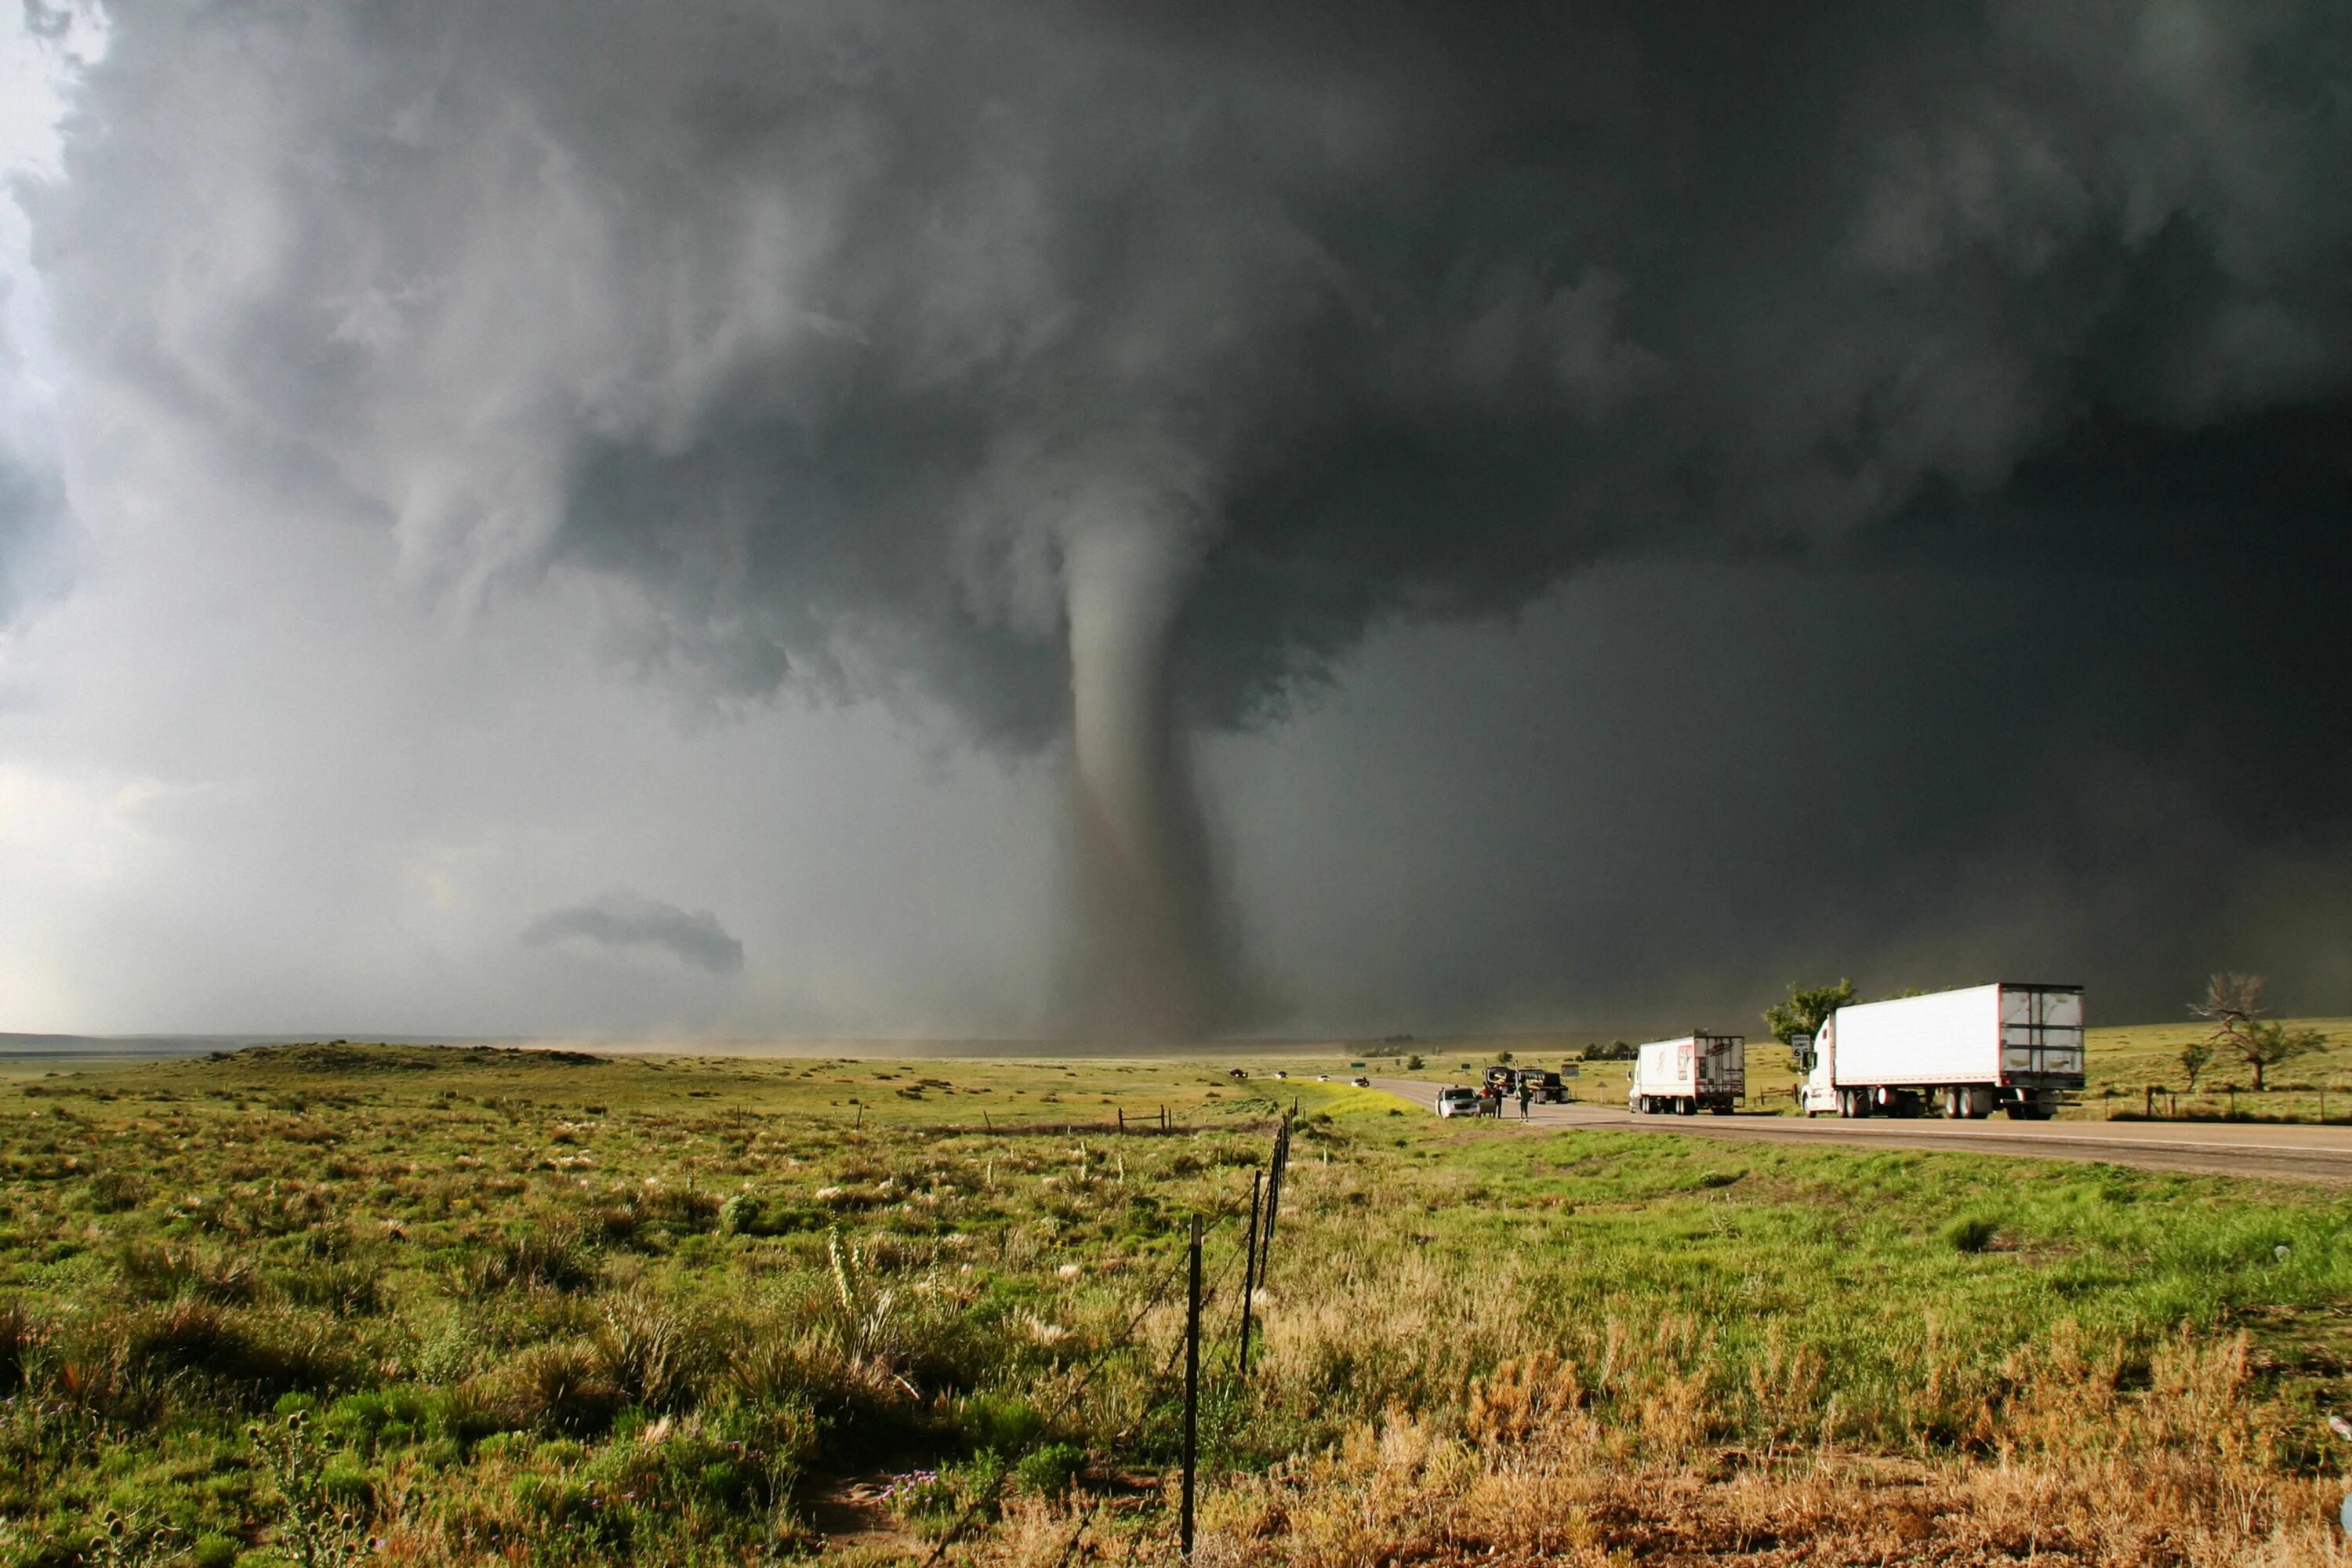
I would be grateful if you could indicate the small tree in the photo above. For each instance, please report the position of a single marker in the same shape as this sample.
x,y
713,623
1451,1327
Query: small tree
x,y
2195,1056
2264,1045
1413,1063
1804,1012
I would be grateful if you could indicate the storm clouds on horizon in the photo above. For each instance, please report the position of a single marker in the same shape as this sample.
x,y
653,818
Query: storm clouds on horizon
x,y
1577,515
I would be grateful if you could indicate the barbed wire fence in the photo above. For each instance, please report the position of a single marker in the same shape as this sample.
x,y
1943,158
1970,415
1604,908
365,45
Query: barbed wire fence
x,y
1252,1255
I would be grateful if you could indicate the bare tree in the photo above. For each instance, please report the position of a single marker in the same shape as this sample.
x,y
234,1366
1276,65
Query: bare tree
x,y
2234,1003
2194,1058
2231,1002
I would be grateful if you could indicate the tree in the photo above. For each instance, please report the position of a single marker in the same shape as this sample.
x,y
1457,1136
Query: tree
x,y
1805,1012
1413,1063
2264,1045
2233,1004
2194,1058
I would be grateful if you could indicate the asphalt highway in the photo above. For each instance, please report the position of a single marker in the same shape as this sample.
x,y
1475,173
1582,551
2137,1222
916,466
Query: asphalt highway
x,y
2234,1149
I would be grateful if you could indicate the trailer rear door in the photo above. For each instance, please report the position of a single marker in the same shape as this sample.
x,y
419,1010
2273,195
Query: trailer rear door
x,y
2041,1033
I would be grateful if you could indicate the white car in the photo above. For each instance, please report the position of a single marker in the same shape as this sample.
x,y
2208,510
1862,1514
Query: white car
x,y
1456,1101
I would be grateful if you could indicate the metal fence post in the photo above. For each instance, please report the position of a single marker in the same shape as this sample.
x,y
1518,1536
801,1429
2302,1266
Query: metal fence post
x,y
1192,1388
1249,1272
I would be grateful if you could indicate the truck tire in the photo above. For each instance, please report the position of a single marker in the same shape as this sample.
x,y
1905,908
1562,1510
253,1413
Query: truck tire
x,y
2028,1111
1687,1107
1720,1109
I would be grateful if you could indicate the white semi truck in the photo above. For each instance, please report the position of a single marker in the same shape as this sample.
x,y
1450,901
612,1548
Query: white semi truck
x,y
2006,1047
1687,1075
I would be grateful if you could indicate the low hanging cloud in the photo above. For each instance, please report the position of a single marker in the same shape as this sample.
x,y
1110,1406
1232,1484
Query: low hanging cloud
x,y
623,918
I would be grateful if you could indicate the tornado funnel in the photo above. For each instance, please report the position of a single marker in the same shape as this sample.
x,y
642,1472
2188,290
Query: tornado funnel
x,y
1144,953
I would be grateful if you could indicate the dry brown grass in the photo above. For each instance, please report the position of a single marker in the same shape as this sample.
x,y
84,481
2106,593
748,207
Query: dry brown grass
x,y
2180,1474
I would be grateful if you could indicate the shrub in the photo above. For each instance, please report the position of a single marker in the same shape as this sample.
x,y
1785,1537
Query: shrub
x,y
1005,1423
552,1255
17,1337
1049,1469
778,1437
683,1209
646,1354
159,1273
112,1192
562,1387
1971,1233
193,1336
214,1551
346,1287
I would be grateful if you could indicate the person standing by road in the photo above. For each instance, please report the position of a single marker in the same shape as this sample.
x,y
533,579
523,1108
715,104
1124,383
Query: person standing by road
x,y
1526,1096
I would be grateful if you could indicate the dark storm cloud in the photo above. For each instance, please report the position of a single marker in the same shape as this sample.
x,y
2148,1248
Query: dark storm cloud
x,y
623,918
845,337
822,325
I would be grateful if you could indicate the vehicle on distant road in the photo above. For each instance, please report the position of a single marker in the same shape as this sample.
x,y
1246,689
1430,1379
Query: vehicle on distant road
x,y
1547,1087
2006,1047
1455,1099
1360,1081
1686,1076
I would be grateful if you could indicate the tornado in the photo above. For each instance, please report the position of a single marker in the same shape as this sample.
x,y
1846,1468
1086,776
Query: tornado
x,y
1144,954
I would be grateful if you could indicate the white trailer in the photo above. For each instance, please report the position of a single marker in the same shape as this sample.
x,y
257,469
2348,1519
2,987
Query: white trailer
x,y
1690,1074
2008,1046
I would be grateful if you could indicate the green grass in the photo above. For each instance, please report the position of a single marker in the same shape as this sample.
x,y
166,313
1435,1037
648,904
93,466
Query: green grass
x,y
650,1310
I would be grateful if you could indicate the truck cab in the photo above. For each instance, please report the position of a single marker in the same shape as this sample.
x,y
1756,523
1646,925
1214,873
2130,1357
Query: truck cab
x,y
1819,1092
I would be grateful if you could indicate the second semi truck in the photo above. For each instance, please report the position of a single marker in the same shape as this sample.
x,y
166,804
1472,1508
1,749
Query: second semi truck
x,y
1694,1073
2007,1047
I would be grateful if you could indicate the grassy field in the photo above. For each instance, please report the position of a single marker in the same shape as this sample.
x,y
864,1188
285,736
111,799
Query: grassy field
x,y
322,1304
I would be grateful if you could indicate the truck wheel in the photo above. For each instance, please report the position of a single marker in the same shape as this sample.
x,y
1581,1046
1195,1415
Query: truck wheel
x,y
1688,1108
1720,1109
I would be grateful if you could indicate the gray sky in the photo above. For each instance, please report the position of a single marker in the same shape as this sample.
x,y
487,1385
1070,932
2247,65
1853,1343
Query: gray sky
x,y
557,518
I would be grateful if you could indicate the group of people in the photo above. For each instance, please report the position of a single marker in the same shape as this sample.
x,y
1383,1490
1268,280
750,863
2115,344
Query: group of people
x,y
1492,1095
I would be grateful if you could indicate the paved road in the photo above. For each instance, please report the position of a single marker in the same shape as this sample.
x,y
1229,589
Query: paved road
x,y
2235,1149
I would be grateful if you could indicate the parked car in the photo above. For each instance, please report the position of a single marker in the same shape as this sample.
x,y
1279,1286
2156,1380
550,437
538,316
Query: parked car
x,y
1455,1099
